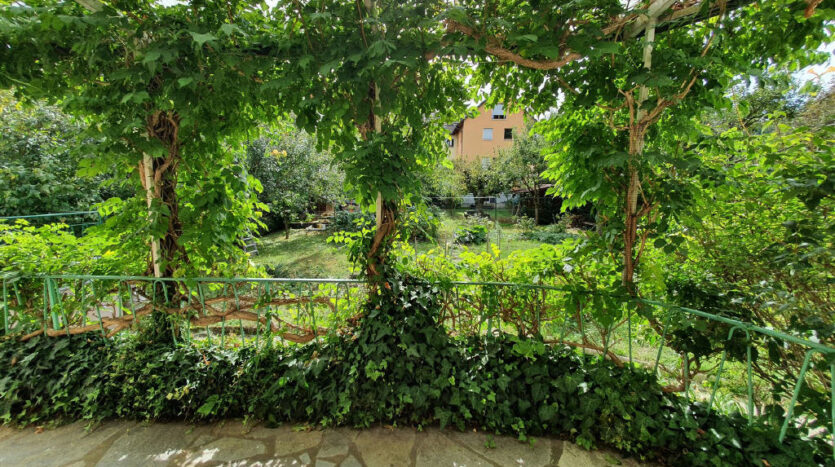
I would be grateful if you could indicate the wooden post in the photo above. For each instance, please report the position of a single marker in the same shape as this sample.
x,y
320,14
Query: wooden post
x,y
150,194
371,6
378,127
649,41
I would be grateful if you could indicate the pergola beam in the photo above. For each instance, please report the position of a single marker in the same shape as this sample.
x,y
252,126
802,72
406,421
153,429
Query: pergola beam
x,y
655,9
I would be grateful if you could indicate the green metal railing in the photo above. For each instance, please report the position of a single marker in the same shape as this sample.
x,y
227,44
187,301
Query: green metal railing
x,y
266,311
77,221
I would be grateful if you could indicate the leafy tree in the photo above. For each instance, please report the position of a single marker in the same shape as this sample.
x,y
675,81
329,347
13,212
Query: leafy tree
x,y
38,162
819,112
164,89
757,245
170,83
521,166
294,175
443,184
757,103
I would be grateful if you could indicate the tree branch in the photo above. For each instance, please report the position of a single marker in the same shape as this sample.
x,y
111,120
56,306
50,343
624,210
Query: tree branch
x,y
682,16
494,47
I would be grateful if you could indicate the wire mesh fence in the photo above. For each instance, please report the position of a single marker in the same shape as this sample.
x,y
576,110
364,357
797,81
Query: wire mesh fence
x,y
477,222
77,222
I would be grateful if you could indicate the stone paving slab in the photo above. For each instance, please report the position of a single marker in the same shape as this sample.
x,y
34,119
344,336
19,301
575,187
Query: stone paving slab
x,y
236,444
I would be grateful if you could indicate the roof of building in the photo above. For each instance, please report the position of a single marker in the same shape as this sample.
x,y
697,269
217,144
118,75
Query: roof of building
x,y
454,128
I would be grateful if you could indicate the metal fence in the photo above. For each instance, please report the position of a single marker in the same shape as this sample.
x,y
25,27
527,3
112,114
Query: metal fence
x,y
255,311
77,222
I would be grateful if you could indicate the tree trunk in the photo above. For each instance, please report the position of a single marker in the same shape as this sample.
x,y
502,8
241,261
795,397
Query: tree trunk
x,y
286,227
383,237
171,251
164,127
478,201
386,210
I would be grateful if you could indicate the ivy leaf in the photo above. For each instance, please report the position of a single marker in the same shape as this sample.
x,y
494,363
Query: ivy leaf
x,y
209,407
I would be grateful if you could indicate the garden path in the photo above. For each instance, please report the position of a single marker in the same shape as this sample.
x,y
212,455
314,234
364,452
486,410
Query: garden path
x,y
231,443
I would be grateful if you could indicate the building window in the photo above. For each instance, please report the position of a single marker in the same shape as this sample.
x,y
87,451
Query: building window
x,y
487,134
508,133
450,142
498,112
485,162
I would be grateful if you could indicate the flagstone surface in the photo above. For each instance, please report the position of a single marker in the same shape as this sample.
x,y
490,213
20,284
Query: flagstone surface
x,y
233,443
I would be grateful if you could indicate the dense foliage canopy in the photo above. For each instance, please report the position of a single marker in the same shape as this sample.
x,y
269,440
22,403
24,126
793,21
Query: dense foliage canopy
x,y
38,161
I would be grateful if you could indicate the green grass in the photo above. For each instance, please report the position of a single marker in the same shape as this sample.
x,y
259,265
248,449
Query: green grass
x,y
507,236
309,255
302,255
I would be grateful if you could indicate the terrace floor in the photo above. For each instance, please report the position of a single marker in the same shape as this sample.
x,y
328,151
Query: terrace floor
x,y
231,443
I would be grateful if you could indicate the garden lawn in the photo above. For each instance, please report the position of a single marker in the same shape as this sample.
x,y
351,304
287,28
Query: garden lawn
x,y
302,255
309,255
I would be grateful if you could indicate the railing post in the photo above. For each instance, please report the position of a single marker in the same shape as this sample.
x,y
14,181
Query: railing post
x,y
629,331
661,347
797,386
716,383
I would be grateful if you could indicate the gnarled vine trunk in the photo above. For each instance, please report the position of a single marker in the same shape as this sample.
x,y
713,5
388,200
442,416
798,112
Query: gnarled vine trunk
x,y
386,228
164,127
630,229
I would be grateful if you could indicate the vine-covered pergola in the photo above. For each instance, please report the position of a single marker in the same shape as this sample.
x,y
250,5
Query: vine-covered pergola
x,y
166,86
